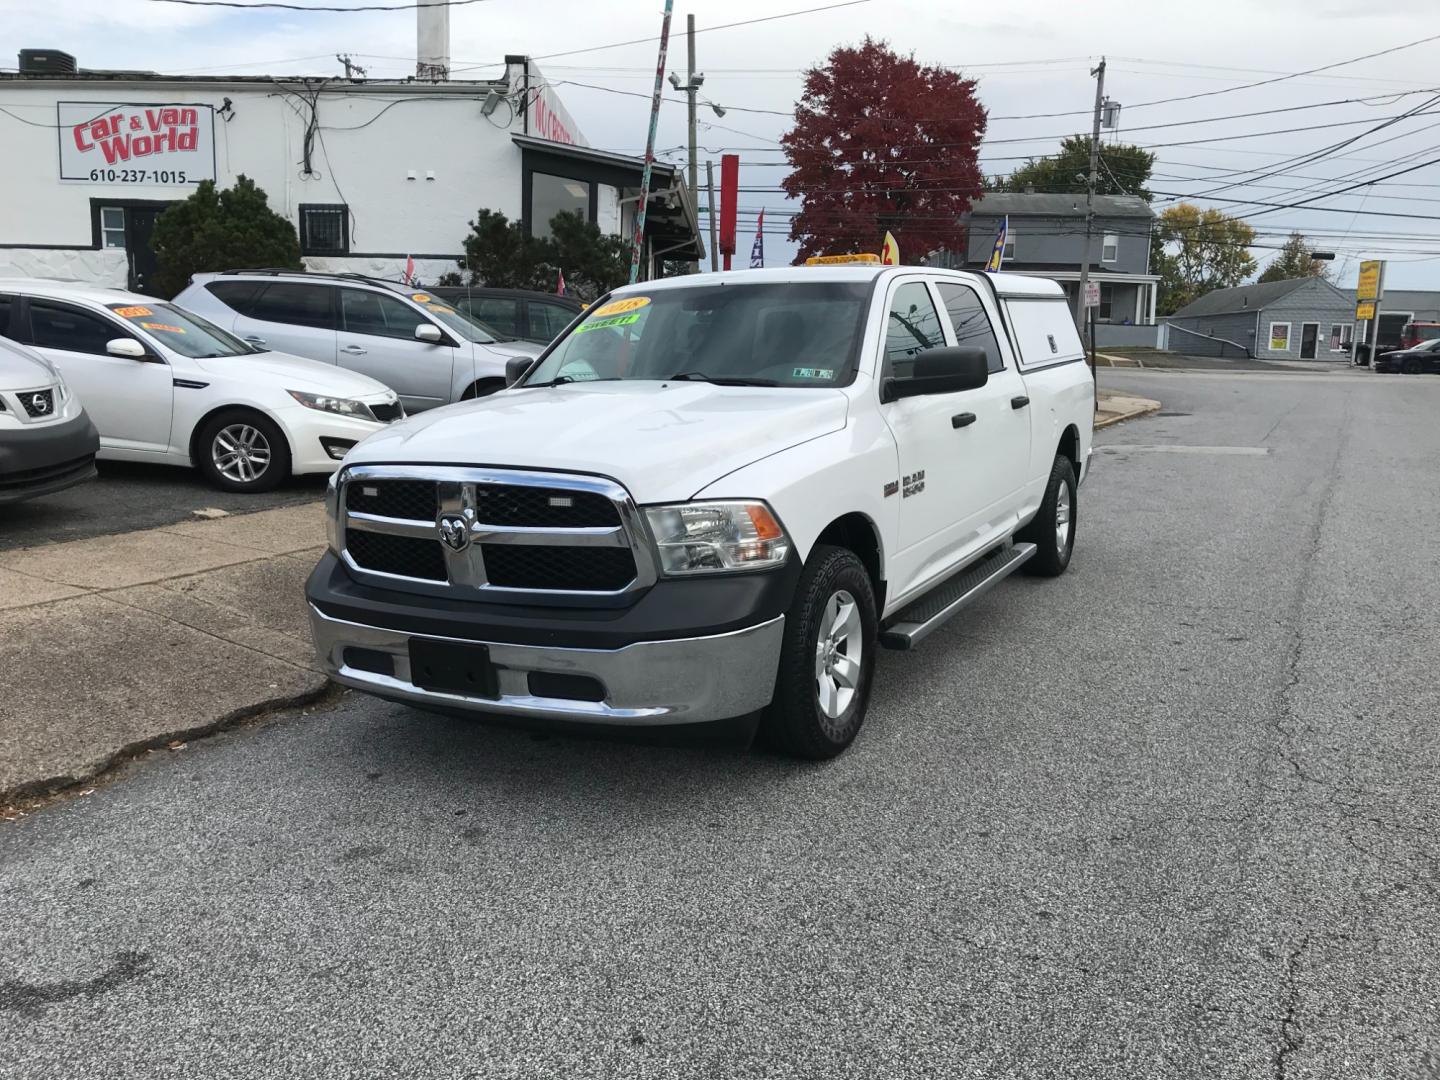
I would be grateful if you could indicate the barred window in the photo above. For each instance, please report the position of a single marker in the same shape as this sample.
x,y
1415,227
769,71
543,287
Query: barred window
x,y
324,228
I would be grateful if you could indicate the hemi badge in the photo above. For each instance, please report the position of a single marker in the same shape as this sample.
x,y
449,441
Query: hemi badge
x,y
561,500
891,488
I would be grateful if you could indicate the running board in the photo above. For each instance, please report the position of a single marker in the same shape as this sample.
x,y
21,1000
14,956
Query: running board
x,y
914,623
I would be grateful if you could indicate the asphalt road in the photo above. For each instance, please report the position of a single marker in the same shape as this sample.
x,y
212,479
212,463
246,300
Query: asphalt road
x,y
1172,815
129,496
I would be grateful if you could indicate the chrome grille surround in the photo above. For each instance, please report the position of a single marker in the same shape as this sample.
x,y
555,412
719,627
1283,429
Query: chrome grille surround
x,y
456,489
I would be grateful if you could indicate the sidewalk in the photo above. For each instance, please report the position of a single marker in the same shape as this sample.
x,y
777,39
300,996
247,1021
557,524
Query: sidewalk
x,y
1114,408
117,644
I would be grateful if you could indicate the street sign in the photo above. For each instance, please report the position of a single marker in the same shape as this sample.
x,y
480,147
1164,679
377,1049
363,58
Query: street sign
x,y
1369,286
1092,294
1365,309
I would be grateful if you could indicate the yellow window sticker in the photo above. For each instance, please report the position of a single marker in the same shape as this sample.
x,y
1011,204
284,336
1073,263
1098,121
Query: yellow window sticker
x,y
433,306
133,312
606,324
166,327
619,307
421,298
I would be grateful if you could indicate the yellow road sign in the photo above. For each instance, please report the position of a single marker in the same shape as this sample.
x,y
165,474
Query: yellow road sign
x,y
1369,286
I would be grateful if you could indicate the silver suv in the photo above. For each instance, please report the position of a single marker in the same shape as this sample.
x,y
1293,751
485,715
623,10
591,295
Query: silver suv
x,y
415,343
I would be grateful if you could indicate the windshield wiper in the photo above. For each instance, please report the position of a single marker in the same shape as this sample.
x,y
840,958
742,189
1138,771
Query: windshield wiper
x,y
561,380
719,380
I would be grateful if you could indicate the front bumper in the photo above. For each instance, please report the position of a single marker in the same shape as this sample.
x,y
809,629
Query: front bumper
x,y
673,681
306,428
43,459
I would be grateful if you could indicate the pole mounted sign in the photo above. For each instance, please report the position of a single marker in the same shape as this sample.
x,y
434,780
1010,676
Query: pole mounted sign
x,y
1092,294
1369,292
1369,286
136,143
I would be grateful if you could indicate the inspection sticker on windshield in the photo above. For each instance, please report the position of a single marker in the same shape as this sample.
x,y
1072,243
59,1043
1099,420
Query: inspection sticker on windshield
x,y
619,307
605,324
163,326
133,312
812,373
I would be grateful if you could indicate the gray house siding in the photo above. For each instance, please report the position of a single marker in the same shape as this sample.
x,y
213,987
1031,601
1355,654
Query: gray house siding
x,y
1306,305
1060,241
1209,335
1222,315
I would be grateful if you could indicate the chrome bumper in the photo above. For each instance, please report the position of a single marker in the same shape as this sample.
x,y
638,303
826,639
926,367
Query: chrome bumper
x,y
681,681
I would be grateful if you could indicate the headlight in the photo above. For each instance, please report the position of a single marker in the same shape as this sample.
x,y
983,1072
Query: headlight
x,y
344,406
332,513
713,537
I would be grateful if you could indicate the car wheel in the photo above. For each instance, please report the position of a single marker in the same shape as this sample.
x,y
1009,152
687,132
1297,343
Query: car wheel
x,y
1053,529
827,658
242,450
1412,365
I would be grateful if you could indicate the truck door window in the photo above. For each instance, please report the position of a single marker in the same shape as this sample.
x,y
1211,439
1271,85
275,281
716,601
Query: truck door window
x,y
972,325
912,327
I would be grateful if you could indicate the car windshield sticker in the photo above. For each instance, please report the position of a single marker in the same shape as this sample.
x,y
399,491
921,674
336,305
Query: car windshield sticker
x,y
605,324
132,312
433,306
421,298
162,326
813,373
619,307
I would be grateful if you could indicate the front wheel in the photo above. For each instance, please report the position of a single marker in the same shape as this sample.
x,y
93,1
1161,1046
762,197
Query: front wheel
x,y
241,450
1053,529
1412,365
827,659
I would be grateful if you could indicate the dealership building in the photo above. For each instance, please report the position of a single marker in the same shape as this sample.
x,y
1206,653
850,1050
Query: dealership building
x,y
371,172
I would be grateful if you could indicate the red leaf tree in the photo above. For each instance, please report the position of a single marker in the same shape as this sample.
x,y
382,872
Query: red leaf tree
x,y
882,143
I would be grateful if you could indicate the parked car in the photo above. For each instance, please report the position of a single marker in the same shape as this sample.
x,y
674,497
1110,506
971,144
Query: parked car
x,y
47,443
516,313
1415,360
426,351
164,385
744,485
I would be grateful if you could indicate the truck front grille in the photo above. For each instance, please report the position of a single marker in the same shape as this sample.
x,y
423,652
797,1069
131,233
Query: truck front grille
x,y
499,535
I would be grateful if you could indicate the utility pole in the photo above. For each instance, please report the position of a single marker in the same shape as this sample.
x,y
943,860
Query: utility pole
x,y
693,81
639,243
1090,181
351,68
714,224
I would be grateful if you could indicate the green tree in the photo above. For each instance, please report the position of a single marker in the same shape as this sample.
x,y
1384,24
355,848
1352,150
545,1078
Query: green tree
x,y
1294,261
231,229
1121,170
1197,251
500,253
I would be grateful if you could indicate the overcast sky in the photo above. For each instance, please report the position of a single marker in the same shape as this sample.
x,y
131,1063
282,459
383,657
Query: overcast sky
x,y
1028,57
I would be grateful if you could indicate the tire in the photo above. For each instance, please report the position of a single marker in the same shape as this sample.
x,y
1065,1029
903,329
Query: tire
x,y
482,388
1412,366
228,431
834,593
1052,553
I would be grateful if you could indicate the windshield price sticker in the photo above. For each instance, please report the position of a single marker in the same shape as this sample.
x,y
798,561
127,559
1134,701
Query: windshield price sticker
x,y
421,298
605,324
812,373
433,306
619,307
162,326
133,312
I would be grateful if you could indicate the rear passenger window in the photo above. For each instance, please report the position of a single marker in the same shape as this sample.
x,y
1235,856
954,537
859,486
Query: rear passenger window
x,y
375,313
972,325
912,327
297,305
547,320
502,315
236,295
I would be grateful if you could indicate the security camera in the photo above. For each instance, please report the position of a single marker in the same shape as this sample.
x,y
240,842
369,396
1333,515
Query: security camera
x,y
699,79
675,80
717,109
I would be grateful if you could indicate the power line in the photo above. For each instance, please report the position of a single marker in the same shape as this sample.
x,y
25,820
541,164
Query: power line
x,y
282,5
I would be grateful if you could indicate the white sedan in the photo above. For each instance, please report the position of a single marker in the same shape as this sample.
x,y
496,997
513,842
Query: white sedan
x,y
164,385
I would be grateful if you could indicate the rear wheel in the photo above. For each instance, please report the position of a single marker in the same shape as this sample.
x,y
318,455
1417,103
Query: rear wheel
x,y
240,450
827,659
1053,529
1412,365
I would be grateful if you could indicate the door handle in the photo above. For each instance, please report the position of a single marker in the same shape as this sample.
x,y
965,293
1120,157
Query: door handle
x,y
1019,401
353,350
255,340
964,419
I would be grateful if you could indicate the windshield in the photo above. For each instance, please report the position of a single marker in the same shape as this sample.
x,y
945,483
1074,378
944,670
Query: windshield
x,y
178,329
776,334
471,329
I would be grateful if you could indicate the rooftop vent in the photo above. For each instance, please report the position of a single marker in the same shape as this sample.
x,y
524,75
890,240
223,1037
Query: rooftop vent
x,y
46,62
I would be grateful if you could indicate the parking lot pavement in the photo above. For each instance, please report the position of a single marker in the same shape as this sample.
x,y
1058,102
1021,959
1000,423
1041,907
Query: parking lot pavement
x,y
1173,814
129,496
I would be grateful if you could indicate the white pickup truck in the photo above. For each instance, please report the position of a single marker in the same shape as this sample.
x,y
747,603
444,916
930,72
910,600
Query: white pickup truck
x,y
712,498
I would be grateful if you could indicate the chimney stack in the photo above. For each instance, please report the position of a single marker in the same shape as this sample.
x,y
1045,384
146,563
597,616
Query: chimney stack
x,y
432,42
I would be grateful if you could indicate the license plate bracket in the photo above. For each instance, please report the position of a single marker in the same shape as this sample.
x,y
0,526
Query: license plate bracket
x,y
453,667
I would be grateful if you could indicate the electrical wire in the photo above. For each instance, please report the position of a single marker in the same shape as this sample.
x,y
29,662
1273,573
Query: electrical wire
x,y
285,6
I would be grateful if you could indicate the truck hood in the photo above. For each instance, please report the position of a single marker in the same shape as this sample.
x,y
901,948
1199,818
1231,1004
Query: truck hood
x,y
663,441
295,373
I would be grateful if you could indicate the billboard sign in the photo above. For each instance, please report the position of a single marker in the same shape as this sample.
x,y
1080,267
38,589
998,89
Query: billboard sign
x,y
546,115
166,143
1369,286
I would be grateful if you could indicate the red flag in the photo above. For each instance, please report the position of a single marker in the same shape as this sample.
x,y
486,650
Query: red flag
x,y
409,269
560,284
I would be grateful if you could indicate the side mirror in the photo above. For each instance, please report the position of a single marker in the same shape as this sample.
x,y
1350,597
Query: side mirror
x,y
429,332
941,371
126,347
516,368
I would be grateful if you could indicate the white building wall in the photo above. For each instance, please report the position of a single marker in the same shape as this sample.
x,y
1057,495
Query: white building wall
x,y
106,266
371,140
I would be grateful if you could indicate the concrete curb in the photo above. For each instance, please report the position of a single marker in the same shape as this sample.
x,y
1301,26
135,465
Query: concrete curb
x,y
1129,409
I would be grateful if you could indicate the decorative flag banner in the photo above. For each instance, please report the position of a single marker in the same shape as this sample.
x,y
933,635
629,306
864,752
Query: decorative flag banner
x,y
890,252
410,271
560,284
757,253
997,254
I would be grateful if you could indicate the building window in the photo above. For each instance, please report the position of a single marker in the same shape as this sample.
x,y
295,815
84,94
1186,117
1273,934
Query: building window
x,y
1339,337
1009,252
324,228
1280,337
551,195
112,226
1110,248
1107,300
